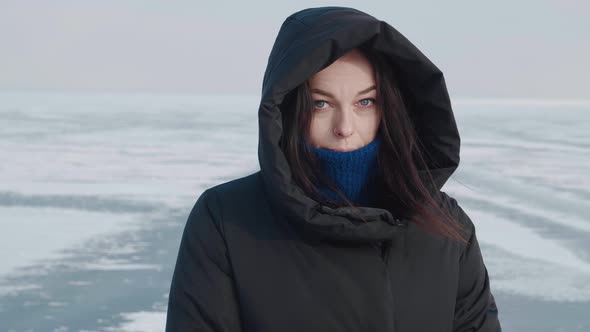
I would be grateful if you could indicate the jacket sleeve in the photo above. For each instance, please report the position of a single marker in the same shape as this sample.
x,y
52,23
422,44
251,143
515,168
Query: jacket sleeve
x,y
202,296
475,307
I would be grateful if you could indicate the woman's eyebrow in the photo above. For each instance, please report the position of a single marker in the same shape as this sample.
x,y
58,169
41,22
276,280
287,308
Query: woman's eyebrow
x,y
372,87
327,94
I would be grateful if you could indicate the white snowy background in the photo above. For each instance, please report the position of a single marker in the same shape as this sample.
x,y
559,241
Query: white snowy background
x,y
89,180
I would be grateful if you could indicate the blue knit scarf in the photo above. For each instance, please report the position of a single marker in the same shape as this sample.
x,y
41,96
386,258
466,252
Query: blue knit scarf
x,y
351,171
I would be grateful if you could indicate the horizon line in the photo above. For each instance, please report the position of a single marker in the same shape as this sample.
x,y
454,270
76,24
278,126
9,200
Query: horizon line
x,y
455,101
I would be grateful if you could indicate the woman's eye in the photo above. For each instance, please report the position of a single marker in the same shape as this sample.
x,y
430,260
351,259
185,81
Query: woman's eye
x,y
320,104
367,102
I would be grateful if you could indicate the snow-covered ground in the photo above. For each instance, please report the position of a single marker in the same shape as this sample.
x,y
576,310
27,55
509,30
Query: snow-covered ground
x,y
524,180
95,190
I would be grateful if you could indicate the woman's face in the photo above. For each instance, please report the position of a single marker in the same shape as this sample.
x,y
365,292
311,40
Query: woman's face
x,y
345,115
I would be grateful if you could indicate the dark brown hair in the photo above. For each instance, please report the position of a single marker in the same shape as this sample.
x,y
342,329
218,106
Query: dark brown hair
x,y
402,189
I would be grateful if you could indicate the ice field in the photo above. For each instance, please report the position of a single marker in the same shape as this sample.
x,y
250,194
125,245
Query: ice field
x,y
95,190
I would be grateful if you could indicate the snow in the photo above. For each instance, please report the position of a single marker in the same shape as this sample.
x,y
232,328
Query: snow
x,y
30,235
142,321
76,168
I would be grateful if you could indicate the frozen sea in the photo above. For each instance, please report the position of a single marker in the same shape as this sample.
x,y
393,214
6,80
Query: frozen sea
x,y
95,190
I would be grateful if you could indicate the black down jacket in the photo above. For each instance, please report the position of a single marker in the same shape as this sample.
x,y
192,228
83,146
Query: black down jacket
x,y
250,258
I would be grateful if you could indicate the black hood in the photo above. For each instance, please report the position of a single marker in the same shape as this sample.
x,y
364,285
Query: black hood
x,y
310,40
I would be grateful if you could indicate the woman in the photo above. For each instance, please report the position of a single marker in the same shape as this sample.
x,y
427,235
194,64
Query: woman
x,y
344,228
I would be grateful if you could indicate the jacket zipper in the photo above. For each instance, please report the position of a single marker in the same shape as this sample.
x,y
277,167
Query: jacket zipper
x,y
385,247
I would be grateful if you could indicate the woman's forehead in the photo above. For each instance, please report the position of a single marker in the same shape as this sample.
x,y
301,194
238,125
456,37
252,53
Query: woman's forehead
x,y
352,71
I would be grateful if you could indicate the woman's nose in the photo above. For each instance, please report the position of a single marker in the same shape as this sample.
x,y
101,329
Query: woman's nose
x,y
344,125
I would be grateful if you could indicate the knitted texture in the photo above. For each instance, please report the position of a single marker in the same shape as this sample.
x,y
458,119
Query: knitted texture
x,y
351,171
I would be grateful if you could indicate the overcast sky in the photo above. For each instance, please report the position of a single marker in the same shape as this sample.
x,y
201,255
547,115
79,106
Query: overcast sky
x,y
531,49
